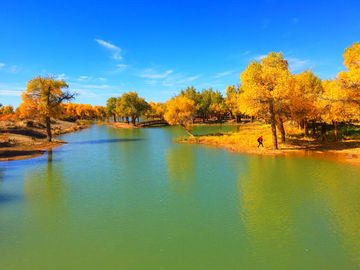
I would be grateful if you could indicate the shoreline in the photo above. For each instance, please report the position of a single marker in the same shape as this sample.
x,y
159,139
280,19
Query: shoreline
x,y
346,155
21,140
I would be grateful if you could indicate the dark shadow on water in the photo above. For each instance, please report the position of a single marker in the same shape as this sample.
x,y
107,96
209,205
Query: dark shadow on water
x,y
8,198
107,141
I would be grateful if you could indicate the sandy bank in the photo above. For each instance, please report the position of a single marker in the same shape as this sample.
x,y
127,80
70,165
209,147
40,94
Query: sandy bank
x,y
27,139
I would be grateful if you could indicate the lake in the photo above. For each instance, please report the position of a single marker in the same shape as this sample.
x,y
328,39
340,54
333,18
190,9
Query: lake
x,y
133,199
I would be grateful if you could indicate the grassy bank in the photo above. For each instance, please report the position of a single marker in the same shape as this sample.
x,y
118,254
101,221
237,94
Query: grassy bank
x,y
245,141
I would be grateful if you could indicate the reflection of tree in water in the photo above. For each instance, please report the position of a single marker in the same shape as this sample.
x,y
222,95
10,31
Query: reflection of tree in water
x,y
343,204
45,192
267,209
181,168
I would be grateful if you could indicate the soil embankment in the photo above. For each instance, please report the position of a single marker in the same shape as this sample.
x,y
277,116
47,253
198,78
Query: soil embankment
x,y
27,139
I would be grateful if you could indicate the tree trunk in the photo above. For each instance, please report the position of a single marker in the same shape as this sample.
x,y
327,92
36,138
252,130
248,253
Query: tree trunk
x,y
323,128
302,122
133,120
314,126
114,118
282,130
306,128
273,126
336,130
188,131
252,120
138,119
48,129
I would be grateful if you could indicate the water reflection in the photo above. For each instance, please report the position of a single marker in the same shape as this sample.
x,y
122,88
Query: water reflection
x,y
181,168
106,141
343,209
46,193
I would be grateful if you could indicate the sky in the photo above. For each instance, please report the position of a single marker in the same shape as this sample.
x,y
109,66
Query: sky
x,y
156,48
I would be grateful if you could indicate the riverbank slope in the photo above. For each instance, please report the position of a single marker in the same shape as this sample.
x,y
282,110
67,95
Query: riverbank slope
x,y
27,139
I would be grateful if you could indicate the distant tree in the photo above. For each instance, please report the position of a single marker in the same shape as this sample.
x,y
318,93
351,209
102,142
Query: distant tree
x,y
111,107
180,111
44,95
131,105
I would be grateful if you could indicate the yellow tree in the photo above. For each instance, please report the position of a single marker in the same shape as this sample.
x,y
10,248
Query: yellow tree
x,y
350,80
306,87
160,110
180,111
334,110
44,94
265,89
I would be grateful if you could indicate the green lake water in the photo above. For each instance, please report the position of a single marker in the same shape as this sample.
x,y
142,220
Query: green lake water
x,y
133,199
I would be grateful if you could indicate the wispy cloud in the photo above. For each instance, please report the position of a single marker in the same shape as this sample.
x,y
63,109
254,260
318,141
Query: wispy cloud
x,y
247,52
60,76
150,82
114,49
14,69
295,20
1,65
11,89
152,74
10,93
103,79
120,68
224,74
258,58
297,64
190,79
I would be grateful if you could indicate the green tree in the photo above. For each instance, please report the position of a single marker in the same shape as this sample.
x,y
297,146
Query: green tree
x,y
131,105
111,107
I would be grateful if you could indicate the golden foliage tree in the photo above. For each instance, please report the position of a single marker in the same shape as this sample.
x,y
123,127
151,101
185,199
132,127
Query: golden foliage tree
x,y
265,89
180,111
43,96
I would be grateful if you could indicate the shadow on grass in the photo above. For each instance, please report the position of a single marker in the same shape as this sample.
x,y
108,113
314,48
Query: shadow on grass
x,y
318,145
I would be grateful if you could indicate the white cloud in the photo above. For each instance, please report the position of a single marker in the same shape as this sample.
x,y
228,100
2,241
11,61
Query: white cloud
x,y
247,52
258,58
151,74
103,79
1,65
10,93
150,82
296,64
190,79
115,50
60,76
224,73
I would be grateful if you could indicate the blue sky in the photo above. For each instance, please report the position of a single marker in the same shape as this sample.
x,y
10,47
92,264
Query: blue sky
x,y
156,48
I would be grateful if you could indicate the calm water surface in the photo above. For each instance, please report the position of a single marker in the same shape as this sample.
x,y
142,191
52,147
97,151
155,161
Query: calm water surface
x,y
133,199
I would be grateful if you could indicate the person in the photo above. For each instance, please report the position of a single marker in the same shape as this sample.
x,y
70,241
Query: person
x,y
260,140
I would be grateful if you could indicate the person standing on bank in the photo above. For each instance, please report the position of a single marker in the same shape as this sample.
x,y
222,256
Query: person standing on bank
x,y
260,140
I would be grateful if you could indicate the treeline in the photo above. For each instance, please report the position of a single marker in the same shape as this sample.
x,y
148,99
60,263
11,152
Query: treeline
x,y
269,91
73,111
